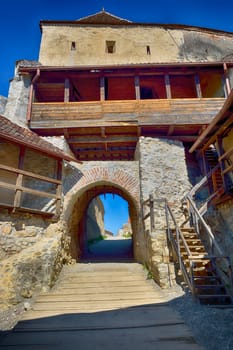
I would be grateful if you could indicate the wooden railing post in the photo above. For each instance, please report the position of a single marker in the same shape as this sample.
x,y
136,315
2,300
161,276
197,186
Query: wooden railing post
x,y
67,91
19,180
59,188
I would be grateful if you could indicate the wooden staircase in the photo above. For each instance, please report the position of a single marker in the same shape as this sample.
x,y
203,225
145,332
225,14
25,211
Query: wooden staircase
x,y
206,281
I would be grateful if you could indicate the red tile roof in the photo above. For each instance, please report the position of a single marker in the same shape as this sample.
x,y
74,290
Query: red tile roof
x,y
23,136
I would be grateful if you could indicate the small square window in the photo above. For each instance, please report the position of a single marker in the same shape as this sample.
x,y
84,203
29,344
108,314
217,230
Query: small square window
x,y
73,45
110,46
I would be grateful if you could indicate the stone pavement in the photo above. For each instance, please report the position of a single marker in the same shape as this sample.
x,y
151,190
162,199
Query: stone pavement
x,y
101,306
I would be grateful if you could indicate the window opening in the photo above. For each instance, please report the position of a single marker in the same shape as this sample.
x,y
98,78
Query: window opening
x,y
148,50
73,45
110,46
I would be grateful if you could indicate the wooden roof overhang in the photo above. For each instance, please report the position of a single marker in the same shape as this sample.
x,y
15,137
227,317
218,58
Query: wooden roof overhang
x,y
220,126
131,69
122,22
27,138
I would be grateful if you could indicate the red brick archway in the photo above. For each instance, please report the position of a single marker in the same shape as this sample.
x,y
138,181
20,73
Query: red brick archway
x,y
93,182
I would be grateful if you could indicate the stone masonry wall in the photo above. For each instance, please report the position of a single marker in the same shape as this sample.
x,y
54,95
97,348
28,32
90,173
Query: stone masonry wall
x,y
163,172
32,252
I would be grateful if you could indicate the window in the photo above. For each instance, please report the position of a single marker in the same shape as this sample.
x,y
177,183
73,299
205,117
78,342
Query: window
x,y
73,45
110,46
148,50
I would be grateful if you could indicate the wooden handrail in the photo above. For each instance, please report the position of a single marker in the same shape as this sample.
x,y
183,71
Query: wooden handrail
x,y
176,245
29,174
207,228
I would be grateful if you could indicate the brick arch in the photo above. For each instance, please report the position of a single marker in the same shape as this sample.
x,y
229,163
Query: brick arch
x,y
117,176
100,174
91,183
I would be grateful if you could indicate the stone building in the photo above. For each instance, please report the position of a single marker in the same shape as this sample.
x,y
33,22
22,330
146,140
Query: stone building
x,y
125,102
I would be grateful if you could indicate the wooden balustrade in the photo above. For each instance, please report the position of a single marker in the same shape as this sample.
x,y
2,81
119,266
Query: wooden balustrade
x,y
144,112
19,188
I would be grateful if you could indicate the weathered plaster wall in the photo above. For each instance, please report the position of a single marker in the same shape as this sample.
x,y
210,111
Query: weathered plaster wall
x,y
3,102
163,173
16,107
166,45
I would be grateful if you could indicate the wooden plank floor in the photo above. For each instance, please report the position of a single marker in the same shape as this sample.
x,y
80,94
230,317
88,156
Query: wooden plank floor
x,y
101,306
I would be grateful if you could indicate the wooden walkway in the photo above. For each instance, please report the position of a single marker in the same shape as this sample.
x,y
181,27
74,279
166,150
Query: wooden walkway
x,y
101,306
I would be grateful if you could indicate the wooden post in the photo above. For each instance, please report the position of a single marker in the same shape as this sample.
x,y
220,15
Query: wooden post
x,y
227,80
102,89
222,162
59,188
67,91
168,86
198,86
137,87
19,180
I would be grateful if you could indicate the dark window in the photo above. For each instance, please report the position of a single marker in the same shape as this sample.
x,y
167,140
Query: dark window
x,y
148,50
73,45
110,46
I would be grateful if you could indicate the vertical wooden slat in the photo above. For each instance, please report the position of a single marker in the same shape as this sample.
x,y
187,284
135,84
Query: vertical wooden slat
x,y
198,86
67,91
19,180
168,86
137,87
222,161
102,89
59,188
227,80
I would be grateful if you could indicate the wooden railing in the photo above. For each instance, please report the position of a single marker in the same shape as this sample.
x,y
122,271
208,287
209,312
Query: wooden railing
x,y
175,243
53,202
159,111
219,261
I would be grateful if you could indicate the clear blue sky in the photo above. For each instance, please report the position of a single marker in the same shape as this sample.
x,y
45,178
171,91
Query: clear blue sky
x,y
116,212
20,33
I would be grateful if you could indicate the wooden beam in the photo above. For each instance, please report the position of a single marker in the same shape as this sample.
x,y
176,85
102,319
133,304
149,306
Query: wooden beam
x,y
59,188
19,181
99,140
137,87
198,86
27,190
67,91
102,88
168,86
227,80
219,142
28,173
171,129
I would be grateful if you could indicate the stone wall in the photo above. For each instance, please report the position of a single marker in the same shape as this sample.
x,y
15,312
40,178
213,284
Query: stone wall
x,y
95,220
32,252
17,104
163,173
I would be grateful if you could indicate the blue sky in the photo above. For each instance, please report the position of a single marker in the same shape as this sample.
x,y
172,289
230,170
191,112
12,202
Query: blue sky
x,y
20,33
116,212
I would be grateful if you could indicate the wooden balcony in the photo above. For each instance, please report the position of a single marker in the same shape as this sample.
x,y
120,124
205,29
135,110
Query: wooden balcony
x,y
60,115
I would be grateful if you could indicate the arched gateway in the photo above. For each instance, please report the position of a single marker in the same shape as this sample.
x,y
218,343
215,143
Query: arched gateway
x,y
92,182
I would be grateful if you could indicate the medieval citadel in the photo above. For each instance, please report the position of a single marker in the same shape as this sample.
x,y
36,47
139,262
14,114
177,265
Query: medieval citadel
x,y
140,110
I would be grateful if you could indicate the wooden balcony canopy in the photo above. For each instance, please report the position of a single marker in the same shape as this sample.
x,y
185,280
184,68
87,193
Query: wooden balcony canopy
x,y
102,110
